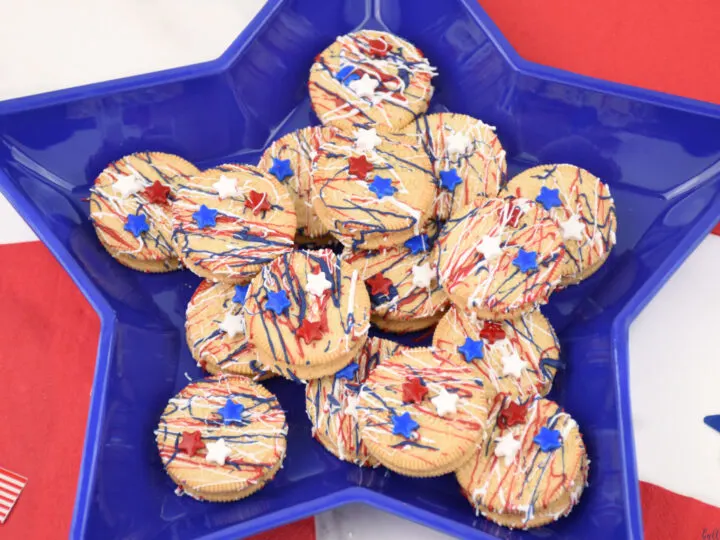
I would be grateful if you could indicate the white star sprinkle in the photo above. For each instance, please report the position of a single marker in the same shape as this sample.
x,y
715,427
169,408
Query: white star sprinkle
x,y
317,284
226,187
489,246
513,365
445,402
458,143
422,276
351,408
364,87
217,452
366,139
507,447
128,184
232,325
573,228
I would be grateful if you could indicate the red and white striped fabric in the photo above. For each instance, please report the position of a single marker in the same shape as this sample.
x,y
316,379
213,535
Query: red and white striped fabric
x,y
11,486
660,44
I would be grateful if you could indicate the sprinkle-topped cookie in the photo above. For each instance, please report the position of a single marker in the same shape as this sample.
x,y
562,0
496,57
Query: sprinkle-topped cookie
x,y
582,206
500,258
517,357
372,198
289,160
370,79
331,403
422,412
222,438
308,314
468,159
531,469
130,209
404,288
215,331
229,221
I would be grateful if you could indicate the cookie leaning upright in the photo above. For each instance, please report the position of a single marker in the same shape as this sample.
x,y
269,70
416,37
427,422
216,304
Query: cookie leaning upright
x,y
290,159
222,438
531,469
583,207
230,221
373,190
307,314
370,79
500,258
130,209
422,412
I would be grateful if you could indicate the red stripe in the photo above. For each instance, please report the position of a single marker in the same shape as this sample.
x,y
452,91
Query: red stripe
x,y
669,516
300,530
716,230
20,479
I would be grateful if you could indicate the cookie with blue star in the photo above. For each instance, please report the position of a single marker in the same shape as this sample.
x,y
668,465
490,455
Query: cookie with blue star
x,y
215,331
583,208
230,221
373,198
222,438
331,403
532,467
307,313
289,159
422,412
130,209
468,159
500,258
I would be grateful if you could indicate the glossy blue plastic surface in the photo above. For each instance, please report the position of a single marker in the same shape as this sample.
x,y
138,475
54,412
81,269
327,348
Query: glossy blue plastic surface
x,y
660,155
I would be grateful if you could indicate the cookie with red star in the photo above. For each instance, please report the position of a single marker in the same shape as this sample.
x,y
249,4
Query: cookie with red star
x,y
531,468
418,433
130,209
230,221
331,403
518,357
370,80
222,438
289,159
373,196
582,206
215,331
405,292
307,313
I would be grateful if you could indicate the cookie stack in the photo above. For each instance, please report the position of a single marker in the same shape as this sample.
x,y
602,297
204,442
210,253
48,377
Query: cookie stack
x,y
381,217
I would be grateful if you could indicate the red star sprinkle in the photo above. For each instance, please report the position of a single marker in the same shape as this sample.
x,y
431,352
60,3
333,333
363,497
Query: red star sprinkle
x,y
378,47
157,193
257,202
379,284
359,166
511,415
309,331
191,442
492,332
414,391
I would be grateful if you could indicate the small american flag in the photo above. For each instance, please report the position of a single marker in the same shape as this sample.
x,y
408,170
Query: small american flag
x,y
11,485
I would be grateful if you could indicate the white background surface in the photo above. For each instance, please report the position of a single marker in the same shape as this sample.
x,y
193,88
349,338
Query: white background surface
x,y
674,353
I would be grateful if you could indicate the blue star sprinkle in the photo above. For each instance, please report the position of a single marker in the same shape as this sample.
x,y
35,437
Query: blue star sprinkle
x,y
205,217
404,425
547,439
136,224
418,243
346,75
382,187
231,412
348,372
449,179
549,198
526,260
713,421
277,302
240,293
281,169
472,349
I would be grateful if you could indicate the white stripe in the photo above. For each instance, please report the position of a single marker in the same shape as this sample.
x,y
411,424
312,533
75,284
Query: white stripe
x,y
6,504
12,480
9,487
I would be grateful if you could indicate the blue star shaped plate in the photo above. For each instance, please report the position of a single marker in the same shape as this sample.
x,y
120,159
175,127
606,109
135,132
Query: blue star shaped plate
x,y
659,154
